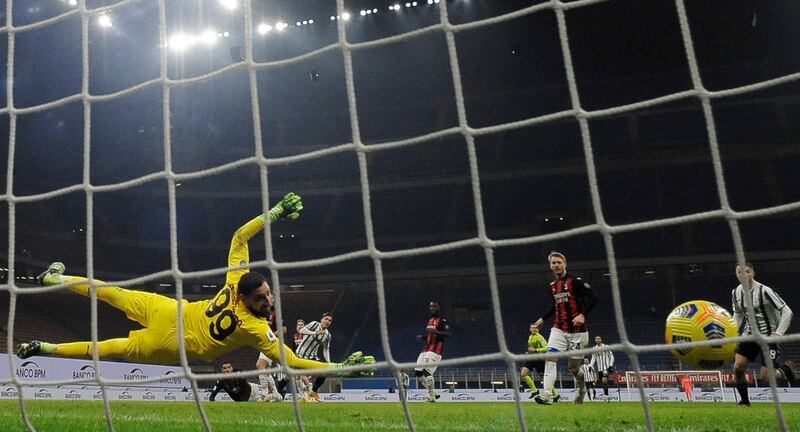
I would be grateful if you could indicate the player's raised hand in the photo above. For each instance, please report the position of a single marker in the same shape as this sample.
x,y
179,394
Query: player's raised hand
x,y
288,207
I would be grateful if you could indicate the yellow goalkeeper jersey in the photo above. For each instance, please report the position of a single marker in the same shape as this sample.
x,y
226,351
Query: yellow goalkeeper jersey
x,y
222,324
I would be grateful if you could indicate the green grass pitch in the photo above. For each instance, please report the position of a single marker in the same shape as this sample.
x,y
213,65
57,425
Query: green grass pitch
x,y
68,416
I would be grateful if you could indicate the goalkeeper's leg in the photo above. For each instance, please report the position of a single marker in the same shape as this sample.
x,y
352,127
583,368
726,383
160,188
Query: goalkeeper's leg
x,y
112,348
137,305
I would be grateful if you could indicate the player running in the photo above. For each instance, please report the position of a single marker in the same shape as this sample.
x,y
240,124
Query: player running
x,y
436,331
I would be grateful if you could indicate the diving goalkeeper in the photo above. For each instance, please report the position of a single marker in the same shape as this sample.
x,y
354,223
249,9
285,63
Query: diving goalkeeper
x,y
236,317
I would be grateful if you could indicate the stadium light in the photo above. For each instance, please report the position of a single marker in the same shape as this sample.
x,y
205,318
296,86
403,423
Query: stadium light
x,y
73,2
346,16
179,42
408,5
225,34
105,21
280,26
363,12
298,24
228,4
264,28
208,37
311,21
333,18
375,10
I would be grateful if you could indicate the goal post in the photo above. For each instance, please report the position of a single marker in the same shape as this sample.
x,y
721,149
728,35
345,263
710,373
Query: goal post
x,y
709,385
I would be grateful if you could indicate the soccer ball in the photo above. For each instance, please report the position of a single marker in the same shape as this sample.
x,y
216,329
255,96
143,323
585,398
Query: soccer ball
x,y
700,320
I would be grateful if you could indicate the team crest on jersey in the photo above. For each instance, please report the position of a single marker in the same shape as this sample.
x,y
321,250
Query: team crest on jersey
x,y
271,336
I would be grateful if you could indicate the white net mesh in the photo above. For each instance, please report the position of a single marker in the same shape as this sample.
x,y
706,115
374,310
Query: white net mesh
x,y
463,128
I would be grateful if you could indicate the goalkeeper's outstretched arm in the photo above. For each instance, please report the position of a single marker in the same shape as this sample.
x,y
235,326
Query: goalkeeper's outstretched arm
x,y
239,256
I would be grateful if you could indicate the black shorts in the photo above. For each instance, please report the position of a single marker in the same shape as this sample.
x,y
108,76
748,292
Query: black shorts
x,y
537,366
751,350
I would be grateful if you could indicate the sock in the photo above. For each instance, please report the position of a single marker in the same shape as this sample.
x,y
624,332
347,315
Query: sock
x,y
554,392
112,348
429,384
579,381
549,376
529,382
605,388
318,383
742,389
47,348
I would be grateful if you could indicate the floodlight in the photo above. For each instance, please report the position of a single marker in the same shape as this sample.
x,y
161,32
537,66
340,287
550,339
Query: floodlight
x,y
264,28
228,4
346,16
105,21
208,37
363,12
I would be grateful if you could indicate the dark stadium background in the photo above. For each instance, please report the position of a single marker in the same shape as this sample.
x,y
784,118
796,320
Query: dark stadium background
x,y
651,163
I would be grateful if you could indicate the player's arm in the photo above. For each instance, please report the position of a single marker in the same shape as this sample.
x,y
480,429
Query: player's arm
x,y
307,330
541,344
783,309
215,390
738,313
550,312
326,352
585,291
239,256
443,329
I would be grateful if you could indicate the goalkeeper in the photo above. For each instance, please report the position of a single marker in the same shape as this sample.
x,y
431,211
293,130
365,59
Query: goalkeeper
x,y
235,317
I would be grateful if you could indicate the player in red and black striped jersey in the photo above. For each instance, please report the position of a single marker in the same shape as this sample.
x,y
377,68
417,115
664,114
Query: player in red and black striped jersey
x,y
436,331
573,298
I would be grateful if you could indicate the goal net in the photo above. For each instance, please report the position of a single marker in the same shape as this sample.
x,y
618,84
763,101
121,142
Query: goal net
x,y
168,81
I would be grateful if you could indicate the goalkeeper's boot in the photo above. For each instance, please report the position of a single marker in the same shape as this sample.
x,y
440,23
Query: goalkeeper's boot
x,y
25,350
556,398
313,395
51,276
542,399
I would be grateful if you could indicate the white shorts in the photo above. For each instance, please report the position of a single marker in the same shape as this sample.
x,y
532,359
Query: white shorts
x,y
428,361
563,342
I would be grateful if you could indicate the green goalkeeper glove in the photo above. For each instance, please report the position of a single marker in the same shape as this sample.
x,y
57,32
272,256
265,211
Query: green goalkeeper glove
x,y
287,208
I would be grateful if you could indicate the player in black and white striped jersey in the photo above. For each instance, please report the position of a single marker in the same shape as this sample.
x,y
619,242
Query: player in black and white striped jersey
x,y
603,364
590,377
772,316
316,344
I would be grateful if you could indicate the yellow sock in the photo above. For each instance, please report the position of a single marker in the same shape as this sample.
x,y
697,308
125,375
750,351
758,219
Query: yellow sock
x,y
296,362
112,348
529,382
